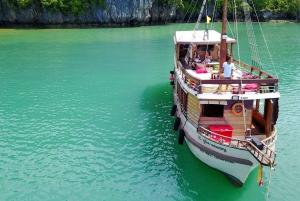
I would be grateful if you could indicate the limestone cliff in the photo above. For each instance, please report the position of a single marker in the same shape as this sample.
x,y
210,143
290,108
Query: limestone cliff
x,y
118,13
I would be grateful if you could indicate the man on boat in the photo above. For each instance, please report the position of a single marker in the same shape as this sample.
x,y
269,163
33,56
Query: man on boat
x,y
228,67
227,71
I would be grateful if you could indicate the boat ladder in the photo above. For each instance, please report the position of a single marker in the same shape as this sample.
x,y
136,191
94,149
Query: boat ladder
x,y
265,157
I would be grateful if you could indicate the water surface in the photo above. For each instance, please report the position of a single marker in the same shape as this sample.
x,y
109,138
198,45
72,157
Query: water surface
x,y
84,115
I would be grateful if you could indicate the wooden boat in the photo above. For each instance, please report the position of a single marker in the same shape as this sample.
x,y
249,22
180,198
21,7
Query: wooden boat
x,y
233,130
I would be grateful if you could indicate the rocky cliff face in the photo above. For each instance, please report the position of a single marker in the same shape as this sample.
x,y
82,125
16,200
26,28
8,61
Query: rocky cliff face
x,y
118,13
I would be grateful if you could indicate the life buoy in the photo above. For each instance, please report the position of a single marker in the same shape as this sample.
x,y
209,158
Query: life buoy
x,y
181,137
237,109
176,124
174,108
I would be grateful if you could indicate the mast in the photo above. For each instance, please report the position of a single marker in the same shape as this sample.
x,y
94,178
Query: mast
x,y
223,48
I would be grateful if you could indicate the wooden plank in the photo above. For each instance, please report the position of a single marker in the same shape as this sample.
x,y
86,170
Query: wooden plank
x,y
212,121
232,119
193,109
237,122
269,117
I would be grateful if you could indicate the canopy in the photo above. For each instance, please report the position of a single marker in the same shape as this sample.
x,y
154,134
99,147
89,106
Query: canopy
x,y
197,37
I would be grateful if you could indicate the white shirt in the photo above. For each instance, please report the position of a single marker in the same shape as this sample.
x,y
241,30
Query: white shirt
x,y
227,69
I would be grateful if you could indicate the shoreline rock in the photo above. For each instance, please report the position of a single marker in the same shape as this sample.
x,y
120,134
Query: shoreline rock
x,y
282,21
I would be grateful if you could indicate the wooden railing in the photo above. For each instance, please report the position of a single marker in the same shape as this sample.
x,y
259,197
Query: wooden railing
x,y
266,83
252,70
265,157
272,138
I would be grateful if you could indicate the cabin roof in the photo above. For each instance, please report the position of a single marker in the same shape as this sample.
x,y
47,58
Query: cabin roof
x,y
186,37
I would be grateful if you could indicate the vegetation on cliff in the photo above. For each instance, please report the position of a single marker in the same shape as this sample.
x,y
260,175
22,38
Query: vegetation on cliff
x,y
75,7
290,8
78,7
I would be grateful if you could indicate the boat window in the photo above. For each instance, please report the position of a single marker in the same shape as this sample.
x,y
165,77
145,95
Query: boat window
x,y
186,46
205,47
183,50
212,110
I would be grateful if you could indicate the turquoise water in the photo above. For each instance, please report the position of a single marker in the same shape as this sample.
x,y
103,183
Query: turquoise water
x,y
84,115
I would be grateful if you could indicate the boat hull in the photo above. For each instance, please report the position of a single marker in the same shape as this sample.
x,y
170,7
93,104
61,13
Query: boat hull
x,y
236,171
235,162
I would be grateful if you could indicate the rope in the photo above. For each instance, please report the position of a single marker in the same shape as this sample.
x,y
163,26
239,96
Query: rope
x,y
247,9
264,39
239,59
214,15
228,25
194,31
251,37
186,15
191,12
269,181
212,22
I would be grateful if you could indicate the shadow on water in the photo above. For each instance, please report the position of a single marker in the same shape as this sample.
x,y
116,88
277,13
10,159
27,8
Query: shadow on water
x,y
185,176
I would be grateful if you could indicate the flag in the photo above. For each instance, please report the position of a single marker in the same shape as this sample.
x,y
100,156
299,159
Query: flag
x,y
260,175
207,19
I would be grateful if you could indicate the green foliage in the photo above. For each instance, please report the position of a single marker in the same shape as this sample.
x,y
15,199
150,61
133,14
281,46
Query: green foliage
x,y
79,7
190,6
170,2
290,7
24,3
102,4
75,7
16,4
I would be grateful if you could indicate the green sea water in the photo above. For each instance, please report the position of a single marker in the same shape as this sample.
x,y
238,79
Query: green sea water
x,y
85,115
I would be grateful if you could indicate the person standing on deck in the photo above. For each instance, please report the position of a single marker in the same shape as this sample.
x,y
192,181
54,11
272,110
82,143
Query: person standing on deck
x,y
227,70
228,67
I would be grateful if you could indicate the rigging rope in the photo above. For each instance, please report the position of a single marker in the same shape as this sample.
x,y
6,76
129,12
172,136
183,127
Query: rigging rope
x,y
251,37
189,52
256,60
211,24
187,13
230,29
239,60
214,15
191,14
264,39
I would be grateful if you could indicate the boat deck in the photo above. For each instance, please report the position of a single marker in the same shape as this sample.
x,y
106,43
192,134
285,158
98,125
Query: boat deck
x,y
247,81
262,152
255,131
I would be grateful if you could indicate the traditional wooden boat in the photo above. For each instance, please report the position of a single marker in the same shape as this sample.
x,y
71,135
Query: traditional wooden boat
x,y
228,124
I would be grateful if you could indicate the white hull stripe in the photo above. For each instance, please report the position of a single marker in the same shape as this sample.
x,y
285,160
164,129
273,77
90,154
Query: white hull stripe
x,y
217,154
